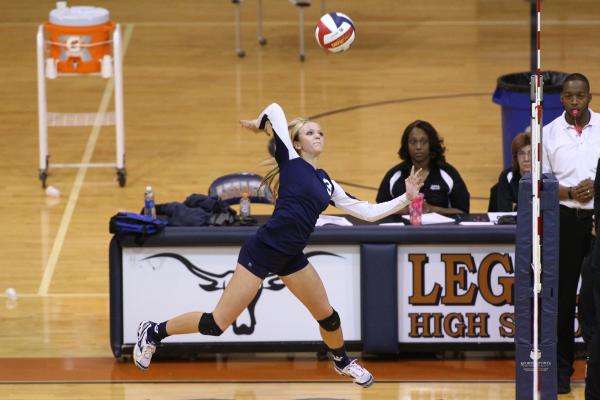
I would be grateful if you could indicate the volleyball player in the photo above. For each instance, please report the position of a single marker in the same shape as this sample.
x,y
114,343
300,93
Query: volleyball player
x,y
304,191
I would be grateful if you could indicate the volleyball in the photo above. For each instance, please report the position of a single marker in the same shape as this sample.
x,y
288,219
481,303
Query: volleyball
x,y
335,32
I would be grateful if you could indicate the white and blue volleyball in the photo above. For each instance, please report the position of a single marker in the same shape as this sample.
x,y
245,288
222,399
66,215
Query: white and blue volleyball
x,y
335,32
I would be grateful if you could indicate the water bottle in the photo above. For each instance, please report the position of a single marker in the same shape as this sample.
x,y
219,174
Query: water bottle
x,y
149,206
244,206
415,209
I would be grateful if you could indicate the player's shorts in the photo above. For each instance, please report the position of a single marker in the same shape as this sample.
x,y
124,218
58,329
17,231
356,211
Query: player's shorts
x,y
261,259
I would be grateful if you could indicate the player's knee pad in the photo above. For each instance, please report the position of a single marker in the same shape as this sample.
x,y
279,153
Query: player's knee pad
x,y
331,323
208,326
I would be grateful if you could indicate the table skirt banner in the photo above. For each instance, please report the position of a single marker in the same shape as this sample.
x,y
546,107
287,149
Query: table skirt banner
x,y
456,293
160,283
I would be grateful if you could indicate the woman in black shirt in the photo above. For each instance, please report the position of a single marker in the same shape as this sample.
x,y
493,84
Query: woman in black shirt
x,y
444,190
508,182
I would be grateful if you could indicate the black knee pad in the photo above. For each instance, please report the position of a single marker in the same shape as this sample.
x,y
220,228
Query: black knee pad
x,y
208,326
331,323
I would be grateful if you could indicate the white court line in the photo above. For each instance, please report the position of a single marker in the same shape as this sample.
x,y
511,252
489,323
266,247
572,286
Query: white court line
x,y
88,165
76,189
488,22
491,22
60,295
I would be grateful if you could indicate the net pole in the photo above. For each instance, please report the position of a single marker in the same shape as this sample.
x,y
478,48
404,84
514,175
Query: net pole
x,y
536,217
533,36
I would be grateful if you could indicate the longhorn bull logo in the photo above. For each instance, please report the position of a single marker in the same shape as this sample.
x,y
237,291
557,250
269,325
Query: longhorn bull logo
x,y
212,282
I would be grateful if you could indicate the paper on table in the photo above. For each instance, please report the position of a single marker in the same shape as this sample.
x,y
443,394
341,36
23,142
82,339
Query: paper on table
x,y
391,223
435,218
495,215
332,220
476,223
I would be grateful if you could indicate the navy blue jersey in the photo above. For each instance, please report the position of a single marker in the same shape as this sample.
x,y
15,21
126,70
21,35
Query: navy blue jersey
x,y
305,192
508,190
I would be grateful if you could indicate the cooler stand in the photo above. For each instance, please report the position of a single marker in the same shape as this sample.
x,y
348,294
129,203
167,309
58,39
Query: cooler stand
x,y
70,56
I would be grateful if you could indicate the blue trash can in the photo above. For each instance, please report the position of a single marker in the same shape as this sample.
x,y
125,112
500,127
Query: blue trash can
x,y
513,94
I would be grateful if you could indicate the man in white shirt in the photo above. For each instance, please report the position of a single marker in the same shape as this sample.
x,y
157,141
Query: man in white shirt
x,y
571,148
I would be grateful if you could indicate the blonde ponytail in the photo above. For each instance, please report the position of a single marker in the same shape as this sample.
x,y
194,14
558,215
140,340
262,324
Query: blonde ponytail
x,y
271,180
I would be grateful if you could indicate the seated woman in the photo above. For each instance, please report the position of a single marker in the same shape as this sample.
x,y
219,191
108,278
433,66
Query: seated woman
x,y
444,190
508,182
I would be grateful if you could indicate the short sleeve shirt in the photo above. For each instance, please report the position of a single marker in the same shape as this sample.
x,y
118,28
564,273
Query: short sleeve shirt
x,y
570,156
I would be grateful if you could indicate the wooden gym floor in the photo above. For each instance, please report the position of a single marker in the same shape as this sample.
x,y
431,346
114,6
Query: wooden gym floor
x,y
185,89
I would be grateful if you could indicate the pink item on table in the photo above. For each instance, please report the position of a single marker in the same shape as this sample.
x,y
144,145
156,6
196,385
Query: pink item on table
x,y
415,209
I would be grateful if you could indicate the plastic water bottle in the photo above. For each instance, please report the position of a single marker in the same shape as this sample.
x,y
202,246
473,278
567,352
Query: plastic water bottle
x,y
149,206
244,206
415,209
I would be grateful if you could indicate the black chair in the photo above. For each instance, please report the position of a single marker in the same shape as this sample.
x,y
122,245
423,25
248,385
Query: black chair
x,y
230,188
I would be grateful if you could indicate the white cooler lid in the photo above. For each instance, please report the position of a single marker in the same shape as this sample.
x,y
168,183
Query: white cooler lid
x,y
78,15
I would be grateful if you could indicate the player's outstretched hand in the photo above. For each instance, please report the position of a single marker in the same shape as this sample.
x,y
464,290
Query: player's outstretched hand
x,y
414,182
252,124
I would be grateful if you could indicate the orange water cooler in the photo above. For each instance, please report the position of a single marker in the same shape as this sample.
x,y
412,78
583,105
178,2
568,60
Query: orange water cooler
x,y
78,41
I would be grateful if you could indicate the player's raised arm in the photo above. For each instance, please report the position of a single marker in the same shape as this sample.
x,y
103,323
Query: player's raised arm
x,y
274,115
373,212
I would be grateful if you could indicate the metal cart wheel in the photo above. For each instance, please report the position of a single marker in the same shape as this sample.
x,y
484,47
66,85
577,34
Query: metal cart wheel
x,y
43,176
122,177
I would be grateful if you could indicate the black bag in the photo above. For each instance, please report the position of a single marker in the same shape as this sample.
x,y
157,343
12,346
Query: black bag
x,y
507,220
134,223
197,210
